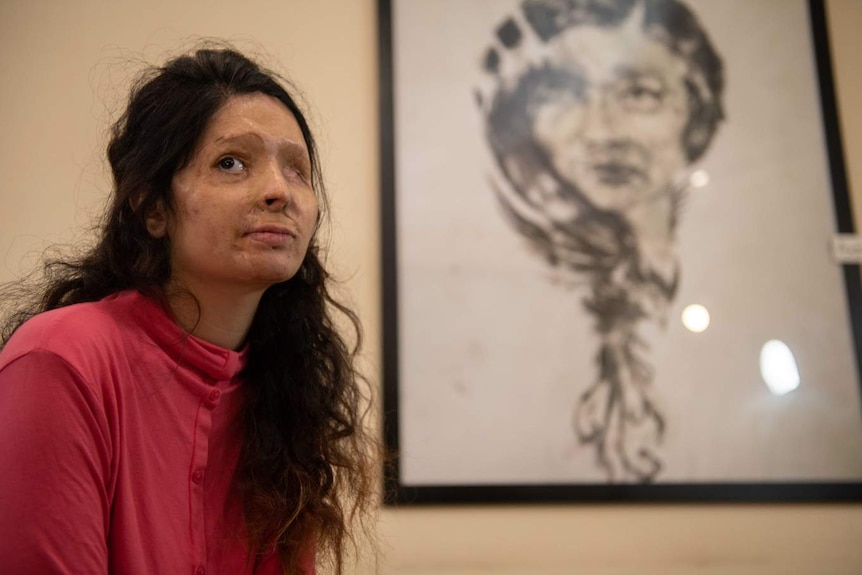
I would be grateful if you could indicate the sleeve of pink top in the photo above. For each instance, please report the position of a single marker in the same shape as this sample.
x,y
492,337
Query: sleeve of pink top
x,y
55,456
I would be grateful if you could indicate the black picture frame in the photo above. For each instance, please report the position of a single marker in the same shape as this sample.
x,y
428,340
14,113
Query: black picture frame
x,y
399,492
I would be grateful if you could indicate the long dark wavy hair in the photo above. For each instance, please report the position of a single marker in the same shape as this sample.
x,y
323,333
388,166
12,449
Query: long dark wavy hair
x,y
305,473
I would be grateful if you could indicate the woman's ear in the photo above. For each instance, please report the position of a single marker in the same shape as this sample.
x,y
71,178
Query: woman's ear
x,y
157,220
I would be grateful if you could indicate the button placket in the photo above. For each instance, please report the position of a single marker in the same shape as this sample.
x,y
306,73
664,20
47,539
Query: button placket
x,y
197,475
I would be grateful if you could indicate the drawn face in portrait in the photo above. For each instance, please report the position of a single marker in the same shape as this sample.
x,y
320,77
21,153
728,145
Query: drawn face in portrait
x,y
595,111
617,137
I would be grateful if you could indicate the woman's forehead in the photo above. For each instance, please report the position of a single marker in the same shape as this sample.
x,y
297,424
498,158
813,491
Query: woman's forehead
x,y
603,53
254,116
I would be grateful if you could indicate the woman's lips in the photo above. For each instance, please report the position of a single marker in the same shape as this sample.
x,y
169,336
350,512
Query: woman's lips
x,y
273,236
617,174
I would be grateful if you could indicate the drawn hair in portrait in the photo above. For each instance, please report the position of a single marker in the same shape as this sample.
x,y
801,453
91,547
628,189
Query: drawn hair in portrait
x,y
595,112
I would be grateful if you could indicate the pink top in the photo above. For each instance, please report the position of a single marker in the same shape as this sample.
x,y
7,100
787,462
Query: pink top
x,y
118,445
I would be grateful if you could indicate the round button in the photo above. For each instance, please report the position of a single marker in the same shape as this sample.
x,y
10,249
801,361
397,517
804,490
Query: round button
x,y
201,570
214,395
198,476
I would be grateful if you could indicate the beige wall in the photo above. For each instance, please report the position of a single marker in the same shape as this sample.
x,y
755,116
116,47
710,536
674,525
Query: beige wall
x,y
64,64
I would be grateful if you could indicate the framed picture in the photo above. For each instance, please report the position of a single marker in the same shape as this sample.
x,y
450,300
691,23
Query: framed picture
x,y
608,250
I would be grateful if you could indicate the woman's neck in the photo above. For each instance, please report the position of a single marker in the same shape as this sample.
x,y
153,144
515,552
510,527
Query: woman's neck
x,y
221,316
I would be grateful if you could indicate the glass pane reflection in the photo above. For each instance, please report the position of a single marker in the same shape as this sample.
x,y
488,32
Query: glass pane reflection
x,y
778,367
695,318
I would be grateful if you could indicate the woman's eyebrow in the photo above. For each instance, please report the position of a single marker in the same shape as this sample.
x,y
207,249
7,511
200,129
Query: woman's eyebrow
x,y
292,147
629,71
228,138
281,142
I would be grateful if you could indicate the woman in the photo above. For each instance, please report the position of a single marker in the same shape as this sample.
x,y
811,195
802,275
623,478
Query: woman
x,y
182,402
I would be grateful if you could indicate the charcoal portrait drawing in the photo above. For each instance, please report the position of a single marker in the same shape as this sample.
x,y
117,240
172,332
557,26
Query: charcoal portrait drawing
x,y
596,113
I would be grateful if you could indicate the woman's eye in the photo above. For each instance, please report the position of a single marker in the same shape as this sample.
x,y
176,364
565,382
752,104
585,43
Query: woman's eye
x,y
643,96
231,164
298,172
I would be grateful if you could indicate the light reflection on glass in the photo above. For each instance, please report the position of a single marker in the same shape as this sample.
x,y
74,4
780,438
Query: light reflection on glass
x,y
695,318
699,179
778,367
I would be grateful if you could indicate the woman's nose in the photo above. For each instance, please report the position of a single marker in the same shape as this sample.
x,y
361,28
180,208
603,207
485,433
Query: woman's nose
x,y
276,189
601,119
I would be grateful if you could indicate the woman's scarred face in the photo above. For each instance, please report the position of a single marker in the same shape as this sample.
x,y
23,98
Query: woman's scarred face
x,y
244,207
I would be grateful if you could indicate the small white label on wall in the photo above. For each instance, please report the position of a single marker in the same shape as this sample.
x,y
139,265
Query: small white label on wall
x,y
847,248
